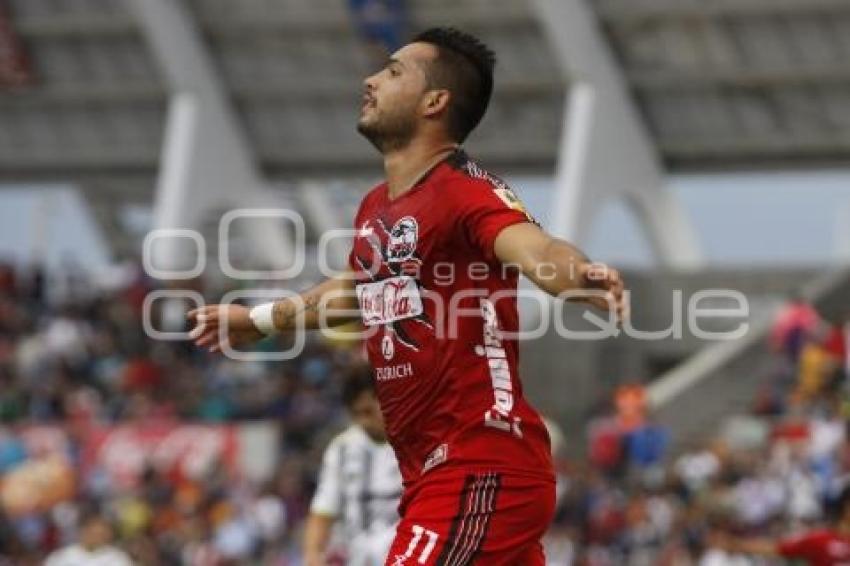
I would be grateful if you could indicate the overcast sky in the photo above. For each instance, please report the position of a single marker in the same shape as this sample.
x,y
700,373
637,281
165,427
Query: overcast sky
x,y
740,219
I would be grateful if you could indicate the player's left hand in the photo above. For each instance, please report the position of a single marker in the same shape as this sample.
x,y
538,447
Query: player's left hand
x,y
601,277
218,327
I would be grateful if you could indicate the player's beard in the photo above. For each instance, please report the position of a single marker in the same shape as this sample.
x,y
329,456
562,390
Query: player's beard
x,y
388,132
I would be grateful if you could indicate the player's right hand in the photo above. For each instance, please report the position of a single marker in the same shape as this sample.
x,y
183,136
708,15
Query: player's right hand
x,y
217,326
601,277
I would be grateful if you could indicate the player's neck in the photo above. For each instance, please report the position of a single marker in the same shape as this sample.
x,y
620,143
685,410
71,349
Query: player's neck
x,y
405,167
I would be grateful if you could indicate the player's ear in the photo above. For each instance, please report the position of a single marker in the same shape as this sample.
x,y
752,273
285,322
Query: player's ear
x,y
436,101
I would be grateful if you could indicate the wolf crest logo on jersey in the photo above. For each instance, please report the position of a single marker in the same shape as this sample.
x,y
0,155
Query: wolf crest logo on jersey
x,y
402,241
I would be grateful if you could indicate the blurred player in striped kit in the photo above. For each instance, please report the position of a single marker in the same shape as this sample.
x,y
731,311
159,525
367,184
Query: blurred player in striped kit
x,y
359,485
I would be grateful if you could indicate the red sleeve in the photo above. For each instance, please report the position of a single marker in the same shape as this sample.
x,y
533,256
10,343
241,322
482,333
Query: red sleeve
x,y
483,210
799,546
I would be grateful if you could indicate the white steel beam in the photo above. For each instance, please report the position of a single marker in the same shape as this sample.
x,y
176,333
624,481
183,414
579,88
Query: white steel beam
x,y
606,151
206,163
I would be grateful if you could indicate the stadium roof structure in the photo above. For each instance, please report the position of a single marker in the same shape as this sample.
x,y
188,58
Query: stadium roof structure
x,y
293,71
761,82
715,83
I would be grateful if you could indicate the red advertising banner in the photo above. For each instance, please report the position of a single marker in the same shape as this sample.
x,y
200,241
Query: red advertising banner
x,y
179,450
42,465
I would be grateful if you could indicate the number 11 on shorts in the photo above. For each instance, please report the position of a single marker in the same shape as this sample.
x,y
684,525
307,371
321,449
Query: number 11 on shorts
x,y
418,531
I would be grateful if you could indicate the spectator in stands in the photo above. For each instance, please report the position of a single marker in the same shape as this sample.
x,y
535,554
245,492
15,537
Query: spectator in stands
x,y
816,368
794,324
95,547
646,446
605,445
630,401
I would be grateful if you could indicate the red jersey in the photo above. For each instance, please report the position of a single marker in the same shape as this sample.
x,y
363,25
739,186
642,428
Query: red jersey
x,y
441,317
818,548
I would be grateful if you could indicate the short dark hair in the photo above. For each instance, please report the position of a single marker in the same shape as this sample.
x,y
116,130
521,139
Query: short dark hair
x,y
464,66
358,381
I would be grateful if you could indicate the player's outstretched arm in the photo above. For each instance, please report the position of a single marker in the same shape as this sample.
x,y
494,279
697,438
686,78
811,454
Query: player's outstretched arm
x,y
557,266
317,533
329,303
753,546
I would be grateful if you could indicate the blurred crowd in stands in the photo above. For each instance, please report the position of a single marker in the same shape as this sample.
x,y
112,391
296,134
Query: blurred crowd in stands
x,y
78,361
74,357
774,472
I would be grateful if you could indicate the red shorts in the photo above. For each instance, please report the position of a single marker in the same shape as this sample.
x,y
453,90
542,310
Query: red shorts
x,y
456,518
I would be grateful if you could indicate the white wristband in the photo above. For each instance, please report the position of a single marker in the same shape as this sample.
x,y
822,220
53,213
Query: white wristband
x,y
263,319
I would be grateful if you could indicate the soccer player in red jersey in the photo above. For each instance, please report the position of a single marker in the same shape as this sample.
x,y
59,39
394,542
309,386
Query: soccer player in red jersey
x,y
818,547
434,267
